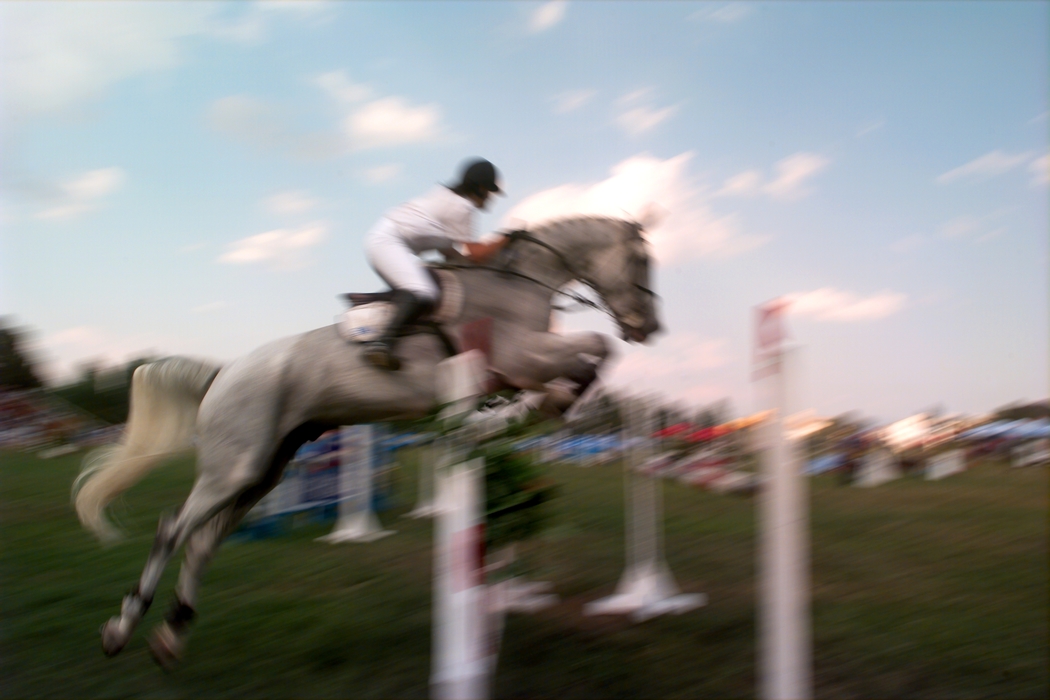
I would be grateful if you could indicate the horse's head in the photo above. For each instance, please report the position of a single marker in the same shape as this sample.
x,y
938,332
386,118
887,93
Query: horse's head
x,y
610,256
620,274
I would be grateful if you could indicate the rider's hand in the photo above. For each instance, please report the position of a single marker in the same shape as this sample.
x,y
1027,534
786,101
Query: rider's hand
x,y
480,253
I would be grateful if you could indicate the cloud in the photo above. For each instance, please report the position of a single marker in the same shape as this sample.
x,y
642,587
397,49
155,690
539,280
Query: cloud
x,y
636,117
638,120
829,304
690,230
290,202
572,100
987,166
907,244
267,126
743,184
382,173
959,227
209,307
973,228
725,14
391,121
367,123
792,174
340,88
1040,170
283,248
55,55
788,184
685,366
253,21
866,129
83,194
70,348
546,16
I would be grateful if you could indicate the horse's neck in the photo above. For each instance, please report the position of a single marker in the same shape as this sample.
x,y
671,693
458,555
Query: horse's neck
x,y
509,298
524,293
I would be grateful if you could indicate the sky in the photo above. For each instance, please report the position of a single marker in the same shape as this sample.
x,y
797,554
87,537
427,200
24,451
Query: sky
x,y
197,178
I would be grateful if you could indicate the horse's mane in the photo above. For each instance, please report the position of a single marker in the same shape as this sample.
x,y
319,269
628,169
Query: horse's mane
x,y
574,221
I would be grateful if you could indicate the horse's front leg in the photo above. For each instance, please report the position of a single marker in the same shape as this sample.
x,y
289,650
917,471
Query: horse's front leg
x,y
535,360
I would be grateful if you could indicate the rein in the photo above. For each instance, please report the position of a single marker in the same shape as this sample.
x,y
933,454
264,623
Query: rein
x,y
506,270
521,235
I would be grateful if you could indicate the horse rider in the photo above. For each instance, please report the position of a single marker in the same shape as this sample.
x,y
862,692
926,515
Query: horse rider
x,y
443,219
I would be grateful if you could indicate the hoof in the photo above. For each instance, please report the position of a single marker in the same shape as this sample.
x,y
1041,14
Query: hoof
x,y
166,647
114,636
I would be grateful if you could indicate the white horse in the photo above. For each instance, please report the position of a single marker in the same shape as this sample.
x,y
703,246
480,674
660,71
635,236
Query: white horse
x,y
248,418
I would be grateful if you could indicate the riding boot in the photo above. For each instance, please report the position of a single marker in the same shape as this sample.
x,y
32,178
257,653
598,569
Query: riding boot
x,y
407,308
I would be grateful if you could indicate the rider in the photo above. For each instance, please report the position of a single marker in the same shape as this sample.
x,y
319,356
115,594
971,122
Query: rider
x,y
441,220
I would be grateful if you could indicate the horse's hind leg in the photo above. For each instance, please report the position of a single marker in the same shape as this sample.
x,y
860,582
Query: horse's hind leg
x,y
169,638
213,491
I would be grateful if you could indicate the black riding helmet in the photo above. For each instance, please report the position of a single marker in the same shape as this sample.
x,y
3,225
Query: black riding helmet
x,y
478,175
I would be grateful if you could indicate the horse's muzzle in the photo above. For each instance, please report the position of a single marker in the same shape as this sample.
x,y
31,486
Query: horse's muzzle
x,y
639,334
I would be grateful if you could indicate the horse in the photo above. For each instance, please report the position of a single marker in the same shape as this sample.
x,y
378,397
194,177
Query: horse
x,y
247,419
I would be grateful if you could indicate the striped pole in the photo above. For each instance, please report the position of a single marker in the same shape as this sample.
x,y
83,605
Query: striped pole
x,y
784,650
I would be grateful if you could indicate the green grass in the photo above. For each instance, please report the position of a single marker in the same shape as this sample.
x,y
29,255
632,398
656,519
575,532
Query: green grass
x,y
931,590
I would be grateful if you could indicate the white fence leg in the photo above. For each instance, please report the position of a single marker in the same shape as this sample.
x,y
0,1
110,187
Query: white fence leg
x,y
647,588
357,522
425,507
464,634
945,464
462,658
877,468
784,624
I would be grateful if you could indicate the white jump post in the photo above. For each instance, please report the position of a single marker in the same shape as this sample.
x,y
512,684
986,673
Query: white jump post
x,y
945,464
784,623
877,468
425,507
463,656
357,522
647,588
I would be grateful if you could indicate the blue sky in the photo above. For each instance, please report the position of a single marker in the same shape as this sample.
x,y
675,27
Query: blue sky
x,y
198,178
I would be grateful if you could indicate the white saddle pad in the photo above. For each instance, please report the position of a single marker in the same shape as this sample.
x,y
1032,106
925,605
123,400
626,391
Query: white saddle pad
x,y
364,323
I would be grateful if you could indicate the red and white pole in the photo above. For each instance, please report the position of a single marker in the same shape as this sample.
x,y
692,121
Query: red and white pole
x,y
784,622
463,656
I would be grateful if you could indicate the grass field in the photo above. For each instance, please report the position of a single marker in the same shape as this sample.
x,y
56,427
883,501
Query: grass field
x,y
920,590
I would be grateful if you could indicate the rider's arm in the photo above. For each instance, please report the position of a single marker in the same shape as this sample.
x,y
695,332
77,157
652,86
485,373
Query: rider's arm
x,y
481,252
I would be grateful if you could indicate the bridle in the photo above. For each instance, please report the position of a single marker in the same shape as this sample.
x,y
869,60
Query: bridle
x,y
524,236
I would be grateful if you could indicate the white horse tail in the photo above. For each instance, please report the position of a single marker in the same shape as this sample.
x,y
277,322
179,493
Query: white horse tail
x,y
164,399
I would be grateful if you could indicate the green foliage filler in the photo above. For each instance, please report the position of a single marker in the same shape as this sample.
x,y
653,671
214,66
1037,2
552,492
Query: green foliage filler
x,y
515,493
515,487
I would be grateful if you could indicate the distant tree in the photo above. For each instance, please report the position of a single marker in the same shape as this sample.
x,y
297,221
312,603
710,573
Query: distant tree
x,y
715,414
600,416
16,366
107,399
1039,409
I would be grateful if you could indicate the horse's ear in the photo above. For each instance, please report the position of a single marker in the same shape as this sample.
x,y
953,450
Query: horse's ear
x,y
652,215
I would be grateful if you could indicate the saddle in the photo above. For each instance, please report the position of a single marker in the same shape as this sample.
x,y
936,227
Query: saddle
x,y
369,314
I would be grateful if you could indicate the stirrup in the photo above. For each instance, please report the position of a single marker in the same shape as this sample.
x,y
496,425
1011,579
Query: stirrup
x,y
380,354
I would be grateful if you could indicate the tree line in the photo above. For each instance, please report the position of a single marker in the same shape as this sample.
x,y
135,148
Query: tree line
x,y
102,392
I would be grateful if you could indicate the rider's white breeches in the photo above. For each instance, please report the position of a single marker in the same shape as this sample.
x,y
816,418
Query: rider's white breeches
x,y
395,262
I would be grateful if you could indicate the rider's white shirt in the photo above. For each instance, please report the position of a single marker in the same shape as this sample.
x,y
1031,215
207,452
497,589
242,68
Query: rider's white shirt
x,y
434,221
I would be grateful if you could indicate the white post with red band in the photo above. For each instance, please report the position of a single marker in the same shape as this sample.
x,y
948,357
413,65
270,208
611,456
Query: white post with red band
x,y
464,654
784,624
